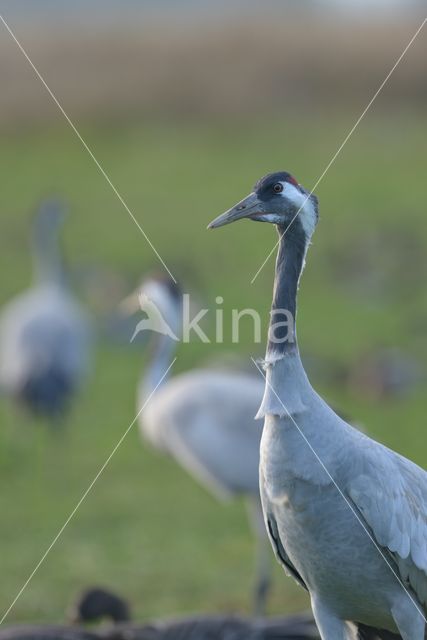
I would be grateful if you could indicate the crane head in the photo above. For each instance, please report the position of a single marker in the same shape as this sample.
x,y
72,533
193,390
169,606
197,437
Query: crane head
x,y
276,198
160,299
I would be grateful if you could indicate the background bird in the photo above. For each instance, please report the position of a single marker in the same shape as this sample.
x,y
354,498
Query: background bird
x,y
44,333
346,516
204,419
96,604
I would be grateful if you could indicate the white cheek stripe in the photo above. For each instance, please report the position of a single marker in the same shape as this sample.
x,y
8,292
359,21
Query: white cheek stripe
x,y
307,213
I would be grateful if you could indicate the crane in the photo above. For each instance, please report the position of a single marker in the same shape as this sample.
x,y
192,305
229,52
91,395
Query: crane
x,y
44,333
346,516
203,418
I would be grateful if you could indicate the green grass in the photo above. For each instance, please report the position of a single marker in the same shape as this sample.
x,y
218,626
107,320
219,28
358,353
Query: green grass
x,y
147,529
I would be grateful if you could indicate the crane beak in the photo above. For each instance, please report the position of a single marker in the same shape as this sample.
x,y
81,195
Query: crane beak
x,y
250,207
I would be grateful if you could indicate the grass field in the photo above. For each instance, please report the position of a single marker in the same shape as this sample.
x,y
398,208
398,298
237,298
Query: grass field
x,y
146,529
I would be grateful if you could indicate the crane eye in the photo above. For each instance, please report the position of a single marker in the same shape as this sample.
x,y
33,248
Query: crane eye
x,y
278,187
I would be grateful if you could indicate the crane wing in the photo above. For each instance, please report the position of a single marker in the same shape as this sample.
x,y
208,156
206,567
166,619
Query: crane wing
x,y
390,493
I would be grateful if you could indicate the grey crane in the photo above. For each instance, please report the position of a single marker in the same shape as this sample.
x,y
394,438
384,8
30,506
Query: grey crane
x,y
44,333
203,418
347,517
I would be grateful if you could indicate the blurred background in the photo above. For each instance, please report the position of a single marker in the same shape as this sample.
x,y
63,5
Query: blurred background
x,y
185,105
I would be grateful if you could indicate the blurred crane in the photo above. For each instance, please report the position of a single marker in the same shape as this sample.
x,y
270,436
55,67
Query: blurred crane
x,y
204,419
44,334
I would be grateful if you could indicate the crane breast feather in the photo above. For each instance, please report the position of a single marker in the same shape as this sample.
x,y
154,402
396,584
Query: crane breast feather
x,y
391,496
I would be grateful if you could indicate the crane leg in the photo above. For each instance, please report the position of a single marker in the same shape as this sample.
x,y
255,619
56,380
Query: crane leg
x,y
263,560
330,627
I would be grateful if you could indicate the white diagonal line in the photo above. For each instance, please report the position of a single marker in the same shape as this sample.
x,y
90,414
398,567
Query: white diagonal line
x,y
85,145
84,496
342,494
344,142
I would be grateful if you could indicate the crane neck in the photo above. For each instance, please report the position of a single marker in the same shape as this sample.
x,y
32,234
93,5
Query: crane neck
x,y
47,259
287,384
293,244
160,358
